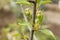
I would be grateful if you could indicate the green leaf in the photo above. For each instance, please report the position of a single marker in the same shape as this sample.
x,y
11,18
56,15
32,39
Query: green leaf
x,y
24,2
42,2
45,2
23,29
16,34
45,34
24,24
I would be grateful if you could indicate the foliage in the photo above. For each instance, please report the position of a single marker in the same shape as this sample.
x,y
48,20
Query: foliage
x,y
24,2
45,34
20,30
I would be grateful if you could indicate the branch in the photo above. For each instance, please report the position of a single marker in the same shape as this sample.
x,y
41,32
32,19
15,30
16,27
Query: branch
x,y
33,18
22,10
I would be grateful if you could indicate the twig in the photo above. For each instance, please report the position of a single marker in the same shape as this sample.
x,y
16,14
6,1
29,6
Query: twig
x,y
22,10
33,17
